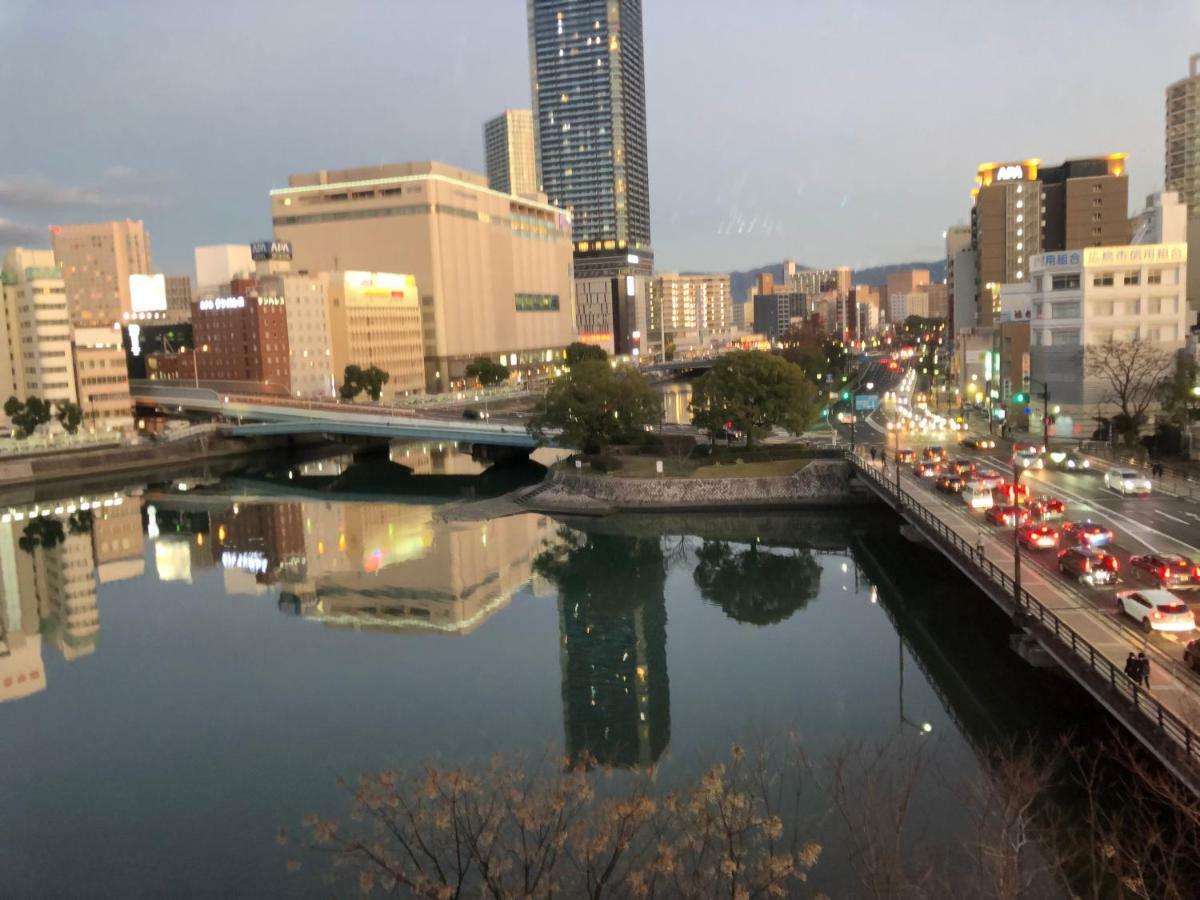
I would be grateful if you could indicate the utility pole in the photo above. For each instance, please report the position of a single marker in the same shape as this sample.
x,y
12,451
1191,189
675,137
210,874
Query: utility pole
x,y
1016,535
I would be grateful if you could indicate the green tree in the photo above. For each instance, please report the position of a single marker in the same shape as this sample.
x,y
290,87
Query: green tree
x,y
487,371
69,415
356,380
754,391
1176,393
578,352
352,384
29,415
595,406
42,532
754,586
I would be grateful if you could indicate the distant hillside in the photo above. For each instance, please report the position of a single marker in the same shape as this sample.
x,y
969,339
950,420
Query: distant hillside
x,y
874,275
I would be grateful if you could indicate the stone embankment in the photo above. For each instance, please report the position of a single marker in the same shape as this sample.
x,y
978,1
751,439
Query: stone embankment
x,y
821,484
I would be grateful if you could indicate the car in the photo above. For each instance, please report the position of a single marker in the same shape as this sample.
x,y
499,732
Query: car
x,y
934,454
1048,507
1127,481
471,413
1028,447
906,456
1027,459
1007,515
1088,565
1087,532
847,418
1165,569
1037,536
950,483
978,443
990,477
961,466
927,469
1068,461
977,495
1156,610
1006,491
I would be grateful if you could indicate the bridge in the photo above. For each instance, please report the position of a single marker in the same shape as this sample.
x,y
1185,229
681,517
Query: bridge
x,y
257,415
680,365
1060,620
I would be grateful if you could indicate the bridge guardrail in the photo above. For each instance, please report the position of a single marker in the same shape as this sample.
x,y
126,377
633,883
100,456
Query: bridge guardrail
x,y
1165,721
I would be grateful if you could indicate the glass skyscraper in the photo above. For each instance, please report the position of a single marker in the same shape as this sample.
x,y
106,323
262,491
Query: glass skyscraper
x,y
589,100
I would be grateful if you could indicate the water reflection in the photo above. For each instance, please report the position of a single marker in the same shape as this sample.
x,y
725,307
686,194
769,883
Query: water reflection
x,y
754,585
677,397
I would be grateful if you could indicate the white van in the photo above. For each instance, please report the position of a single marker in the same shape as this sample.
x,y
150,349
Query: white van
x,y
977,495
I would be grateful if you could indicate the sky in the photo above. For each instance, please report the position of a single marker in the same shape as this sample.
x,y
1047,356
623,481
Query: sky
x,y
833,133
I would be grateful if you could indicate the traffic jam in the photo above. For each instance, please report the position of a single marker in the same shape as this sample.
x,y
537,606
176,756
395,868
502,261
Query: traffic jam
x,y
1145,588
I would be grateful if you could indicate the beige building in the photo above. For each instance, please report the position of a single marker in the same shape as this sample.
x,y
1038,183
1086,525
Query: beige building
x,y
509,154
179,298
375,320
219,264
96,261
693,304
1183,161
310,342
38,329
494,271
102,380
117,542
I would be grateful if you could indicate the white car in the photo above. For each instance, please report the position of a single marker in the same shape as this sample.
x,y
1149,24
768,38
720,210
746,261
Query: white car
x,y
1156,610
1028,459
977,495
1126,481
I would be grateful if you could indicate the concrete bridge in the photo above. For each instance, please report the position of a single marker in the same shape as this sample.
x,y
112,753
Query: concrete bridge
x,y
1060,621
254,415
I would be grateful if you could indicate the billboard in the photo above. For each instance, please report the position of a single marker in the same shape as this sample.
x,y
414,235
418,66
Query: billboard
x,y
380,286
147,293
263,250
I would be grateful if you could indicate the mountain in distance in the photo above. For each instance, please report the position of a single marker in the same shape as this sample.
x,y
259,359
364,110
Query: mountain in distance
x,y
740,281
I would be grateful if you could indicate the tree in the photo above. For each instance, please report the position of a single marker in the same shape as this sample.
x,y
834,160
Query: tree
x,y
69,415
669,349
42,532
578,352
803,344
357,380
756,587
1130,372
486,371
754,391
28,416
1176,393
595,406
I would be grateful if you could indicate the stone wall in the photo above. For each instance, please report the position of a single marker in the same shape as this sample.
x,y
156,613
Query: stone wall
x,y
822,483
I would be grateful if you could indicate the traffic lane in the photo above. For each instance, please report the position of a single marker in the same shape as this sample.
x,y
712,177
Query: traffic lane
x,y
1102,598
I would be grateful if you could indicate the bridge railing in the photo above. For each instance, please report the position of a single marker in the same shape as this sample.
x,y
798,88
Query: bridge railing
x,y
1163,720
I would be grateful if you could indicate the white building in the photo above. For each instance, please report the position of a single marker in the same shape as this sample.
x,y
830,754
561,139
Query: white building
x,y
901,306
1163,221
38,355
693,304
1083,298
219,264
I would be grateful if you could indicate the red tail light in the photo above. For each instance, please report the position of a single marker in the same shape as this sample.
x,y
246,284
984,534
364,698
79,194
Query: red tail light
x,y
1163,573
1196,571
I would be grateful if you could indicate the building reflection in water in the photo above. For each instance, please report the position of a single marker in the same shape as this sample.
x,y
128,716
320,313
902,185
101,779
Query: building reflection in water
x,y
52,556
613,646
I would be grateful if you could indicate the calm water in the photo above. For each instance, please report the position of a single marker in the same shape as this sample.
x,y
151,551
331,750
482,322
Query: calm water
x,y
191,665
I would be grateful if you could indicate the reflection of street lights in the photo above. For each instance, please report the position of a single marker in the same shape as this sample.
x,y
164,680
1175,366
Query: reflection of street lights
x,y
925,727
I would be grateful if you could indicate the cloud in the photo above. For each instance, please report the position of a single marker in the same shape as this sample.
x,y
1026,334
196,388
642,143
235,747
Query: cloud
x,y
41,193
15,234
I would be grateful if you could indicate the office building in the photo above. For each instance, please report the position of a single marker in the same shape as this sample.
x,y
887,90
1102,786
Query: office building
x,y
960,278
493,271
117,543
693,304
774,312
39,350
97,261
589,99
1163,220
143,340
179,297
910,281
939,300
1083,298
375,320
102,380
242,335
1183,161
509,154
219,264
1023,208
901,306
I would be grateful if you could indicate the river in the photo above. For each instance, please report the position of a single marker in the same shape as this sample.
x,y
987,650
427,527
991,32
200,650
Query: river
x,y
190,665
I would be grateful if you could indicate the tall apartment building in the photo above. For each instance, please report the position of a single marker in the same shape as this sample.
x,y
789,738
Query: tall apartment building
x,y
509,154
102,380
493,270
1082,298
694,304
589,106
39,350
910,281
1183,160
96,261
375,320
1022,209
243,336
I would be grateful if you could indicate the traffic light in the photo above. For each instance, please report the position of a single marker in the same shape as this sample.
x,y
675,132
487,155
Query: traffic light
x,y
845,395
1020,397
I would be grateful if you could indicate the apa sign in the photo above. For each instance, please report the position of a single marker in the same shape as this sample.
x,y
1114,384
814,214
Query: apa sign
x,y
261,250
1010,173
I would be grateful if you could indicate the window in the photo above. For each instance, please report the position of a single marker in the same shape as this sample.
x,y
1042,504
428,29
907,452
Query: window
x,y
537,302
1103,279
1154,276
1064,310
1065,282
1064,337
1101,307
1131,278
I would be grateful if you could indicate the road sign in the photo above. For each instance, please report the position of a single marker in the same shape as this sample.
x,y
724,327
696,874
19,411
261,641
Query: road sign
x,y
863,402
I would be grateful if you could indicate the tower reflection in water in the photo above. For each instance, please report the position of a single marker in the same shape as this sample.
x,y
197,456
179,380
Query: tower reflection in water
x,y
613,646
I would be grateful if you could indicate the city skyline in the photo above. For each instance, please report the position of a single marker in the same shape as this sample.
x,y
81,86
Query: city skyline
x,y
754,157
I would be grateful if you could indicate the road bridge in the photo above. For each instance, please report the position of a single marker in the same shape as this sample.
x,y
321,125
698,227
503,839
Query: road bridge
x,y
1062,620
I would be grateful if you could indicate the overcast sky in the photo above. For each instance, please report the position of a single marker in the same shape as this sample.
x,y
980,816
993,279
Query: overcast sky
x,y
842,132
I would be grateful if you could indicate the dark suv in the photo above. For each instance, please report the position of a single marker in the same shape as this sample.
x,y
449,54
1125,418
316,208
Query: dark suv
x,y
1088,565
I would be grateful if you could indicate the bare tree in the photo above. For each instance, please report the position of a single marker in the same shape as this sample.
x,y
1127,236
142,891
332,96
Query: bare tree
x,y
1131,372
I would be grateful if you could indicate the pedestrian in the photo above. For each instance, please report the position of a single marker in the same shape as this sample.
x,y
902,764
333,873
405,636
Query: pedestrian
x,y
1143,669
979,543
873,454
1131,666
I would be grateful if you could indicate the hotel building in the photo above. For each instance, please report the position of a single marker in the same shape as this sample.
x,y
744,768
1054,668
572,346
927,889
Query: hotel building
x,y
96,261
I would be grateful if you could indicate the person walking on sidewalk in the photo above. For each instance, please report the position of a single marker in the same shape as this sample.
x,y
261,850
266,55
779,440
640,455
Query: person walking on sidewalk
x,y
1131,667
1143,668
